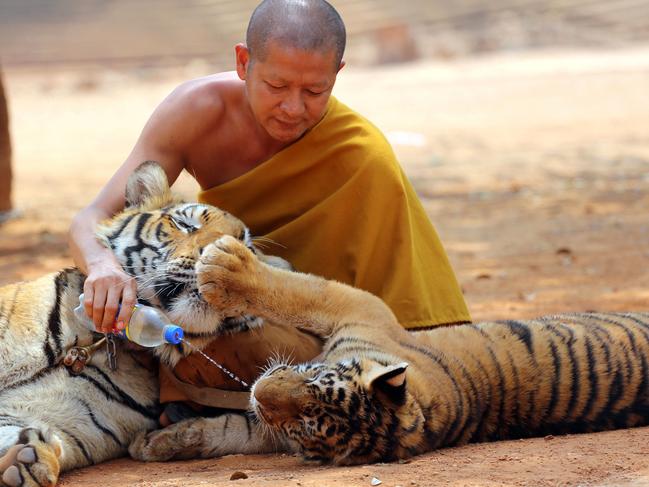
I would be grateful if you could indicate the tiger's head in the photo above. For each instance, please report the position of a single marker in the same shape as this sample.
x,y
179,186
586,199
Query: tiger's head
x,y
158,239
351,412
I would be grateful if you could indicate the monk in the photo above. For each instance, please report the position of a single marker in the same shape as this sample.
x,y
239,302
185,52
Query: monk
x,y
269,144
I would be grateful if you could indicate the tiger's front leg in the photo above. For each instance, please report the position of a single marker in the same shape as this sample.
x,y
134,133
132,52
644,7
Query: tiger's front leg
x,y
232,279
204,438
33,461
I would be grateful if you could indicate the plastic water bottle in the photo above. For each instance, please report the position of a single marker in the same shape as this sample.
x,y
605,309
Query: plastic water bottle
x,y
148,326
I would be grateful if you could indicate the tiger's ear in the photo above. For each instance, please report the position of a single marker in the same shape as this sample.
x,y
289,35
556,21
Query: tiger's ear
x,y
388,379
148,187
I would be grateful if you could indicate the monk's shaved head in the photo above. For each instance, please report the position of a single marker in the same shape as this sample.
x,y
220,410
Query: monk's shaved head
x,y
309,25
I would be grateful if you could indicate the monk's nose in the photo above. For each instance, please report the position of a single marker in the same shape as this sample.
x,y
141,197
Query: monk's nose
x,y
293,105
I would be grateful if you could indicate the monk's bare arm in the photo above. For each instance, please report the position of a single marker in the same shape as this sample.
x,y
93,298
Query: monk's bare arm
x,y
164,139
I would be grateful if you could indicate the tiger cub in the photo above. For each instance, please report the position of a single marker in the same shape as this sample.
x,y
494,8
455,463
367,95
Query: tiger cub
x,y
380,393
52,420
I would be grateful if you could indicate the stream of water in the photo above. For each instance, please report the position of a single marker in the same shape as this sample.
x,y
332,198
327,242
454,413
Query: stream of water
x,y
227,372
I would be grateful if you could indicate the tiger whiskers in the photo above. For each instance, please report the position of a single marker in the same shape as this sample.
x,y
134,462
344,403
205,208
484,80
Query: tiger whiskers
x,y
172,286
277,359
274,362
259,245
265,429
145,278
138,268
268,240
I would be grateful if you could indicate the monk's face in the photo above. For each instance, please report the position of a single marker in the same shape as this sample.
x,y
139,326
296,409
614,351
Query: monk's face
x,y
288,89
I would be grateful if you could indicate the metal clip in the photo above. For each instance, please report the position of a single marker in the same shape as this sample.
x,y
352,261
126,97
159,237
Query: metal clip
x,y
111,351
78,357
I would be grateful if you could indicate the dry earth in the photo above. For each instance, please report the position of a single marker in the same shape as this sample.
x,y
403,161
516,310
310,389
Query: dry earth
x,y
533,167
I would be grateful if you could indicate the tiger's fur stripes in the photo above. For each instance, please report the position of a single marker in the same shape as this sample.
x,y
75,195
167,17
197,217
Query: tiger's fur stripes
x,y
381,394
65,421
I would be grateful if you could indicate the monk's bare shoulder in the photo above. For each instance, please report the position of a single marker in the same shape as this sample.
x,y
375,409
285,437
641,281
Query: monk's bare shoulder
x,y
199,105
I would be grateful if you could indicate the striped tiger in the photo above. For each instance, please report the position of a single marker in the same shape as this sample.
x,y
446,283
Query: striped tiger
x,y
380,393
52,420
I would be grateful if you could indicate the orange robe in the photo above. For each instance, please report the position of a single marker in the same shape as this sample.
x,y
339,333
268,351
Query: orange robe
x,y
339,205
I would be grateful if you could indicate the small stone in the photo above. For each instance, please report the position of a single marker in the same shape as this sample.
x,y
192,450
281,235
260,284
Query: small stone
x,y
375,481
548,438
238,476
526,296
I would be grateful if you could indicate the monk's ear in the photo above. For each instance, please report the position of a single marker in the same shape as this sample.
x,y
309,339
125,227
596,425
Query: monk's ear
x,y
243,60
389,380
148,187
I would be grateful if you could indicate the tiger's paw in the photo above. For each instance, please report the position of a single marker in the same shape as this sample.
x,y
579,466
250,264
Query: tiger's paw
x,y
33,461
179,441
228,276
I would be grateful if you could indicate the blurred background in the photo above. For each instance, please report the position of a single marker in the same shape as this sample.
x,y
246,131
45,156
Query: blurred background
x,y
523,124
172,32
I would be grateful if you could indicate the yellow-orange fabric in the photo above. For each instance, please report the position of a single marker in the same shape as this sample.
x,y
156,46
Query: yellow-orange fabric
x,y
338,205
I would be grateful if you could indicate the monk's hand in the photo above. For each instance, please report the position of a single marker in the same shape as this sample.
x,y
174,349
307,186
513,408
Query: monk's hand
x,y
106,286
229,276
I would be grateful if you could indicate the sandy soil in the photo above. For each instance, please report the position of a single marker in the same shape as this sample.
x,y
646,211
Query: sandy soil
x,y
534,169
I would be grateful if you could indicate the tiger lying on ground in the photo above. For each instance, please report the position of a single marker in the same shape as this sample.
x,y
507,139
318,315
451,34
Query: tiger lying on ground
x,y
380,393
51,420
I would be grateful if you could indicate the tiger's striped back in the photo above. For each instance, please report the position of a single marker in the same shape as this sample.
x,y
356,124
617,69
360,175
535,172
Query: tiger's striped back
x,y
557,374
382,394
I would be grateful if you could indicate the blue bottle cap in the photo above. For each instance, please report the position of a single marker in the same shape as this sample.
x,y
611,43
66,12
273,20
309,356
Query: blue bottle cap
x,y
173,334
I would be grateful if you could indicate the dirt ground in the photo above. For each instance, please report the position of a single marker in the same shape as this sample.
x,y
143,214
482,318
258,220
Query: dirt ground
x,y
534,169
